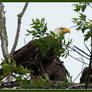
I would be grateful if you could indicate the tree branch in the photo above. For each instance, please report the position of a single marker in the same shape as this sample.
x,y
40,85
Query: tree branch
x,y
87,48
3,33
18,27
82,51
78,52
78,60
90,5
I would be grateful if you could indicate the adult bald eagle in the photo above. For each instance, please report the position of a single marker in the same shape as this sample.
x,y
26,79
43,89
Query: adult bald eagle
x,y
30,56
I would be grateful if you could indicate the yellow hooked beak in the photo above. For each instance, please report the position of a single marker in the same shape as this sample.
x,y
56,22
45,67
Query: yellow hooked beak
x,y
66,30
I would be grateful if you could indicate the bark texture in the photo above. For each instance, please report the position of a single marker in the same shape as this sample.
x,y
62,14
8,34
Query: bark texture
x,y
18,27
3,32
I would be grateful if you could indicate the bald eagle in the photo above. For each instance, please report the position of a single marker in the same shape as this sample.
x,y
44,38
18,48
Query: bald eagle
x,y
30,56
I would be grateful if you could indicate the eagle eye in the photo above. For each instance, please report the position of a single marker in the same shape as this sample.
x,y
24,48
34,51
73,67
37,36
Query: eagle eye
x,y
62,28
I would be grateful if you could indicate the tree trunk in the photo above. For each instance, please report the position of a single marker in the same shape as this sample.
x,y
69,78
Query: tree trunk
x,y
3,33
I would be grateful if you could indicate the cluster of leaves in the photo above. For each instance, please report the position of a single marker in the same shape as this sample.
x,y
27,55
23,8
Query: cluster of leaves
x,y
9,68
62,84
22,77
39,82
82,22
48,41
39,28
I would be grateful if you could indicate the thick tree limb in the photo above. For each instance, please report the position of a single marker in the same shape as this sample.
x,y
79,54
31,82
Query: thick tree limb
x,y
18,27
3,33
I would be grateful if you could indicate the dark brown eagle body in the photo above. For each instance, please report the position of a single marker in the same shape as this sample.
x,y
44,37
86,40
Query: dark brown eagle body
x,y
31,57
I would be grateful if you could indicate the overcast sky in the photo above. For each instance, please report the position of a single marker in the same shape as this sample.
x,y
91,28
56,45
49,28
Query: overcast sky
x,y
56,15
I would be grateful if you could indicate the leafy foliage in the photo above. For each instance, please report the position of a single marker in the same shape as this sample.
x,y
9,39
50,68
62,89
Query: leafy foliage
x,y
81,6
39,28
9,68
82,23
22,75
48,41
39,82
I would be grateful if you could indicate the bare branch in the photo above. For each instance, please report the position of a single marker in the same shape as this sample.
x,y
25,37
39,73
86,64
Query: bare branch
x,y
87,48
18,27
90,5
78,60
3,33
82,51
78,52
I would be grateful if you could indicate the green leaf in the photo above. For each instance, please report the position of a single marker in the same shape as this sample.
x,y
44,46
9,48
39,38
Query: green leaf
x,y
87,36
82,16
52,33
42,20
9,60
33,20
29,32
77,7
83,8
37,20
75,19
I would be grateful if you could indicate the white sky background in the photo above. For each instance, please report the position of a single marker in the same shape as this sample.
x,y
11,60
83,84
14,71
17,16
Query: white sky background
x,y
56,15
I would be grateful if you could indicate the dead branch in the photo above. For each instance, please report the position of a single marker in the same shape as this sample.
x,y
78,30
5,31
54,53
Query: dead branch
x,y
87,48
82,51
18,27
78,52
78,60
3,33
9,84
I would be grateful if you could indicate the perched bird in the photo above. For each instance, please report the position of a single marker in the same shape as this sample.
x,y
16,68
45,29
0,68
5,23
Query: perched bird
x,y
61,30
30,56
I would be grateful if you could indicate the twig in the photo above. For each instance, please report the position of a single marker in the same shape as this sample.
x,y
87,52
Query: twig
x,y
79,53
81,69
78,60
72,48
87,48
82,51
90,5
77,76
18,27
9,84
